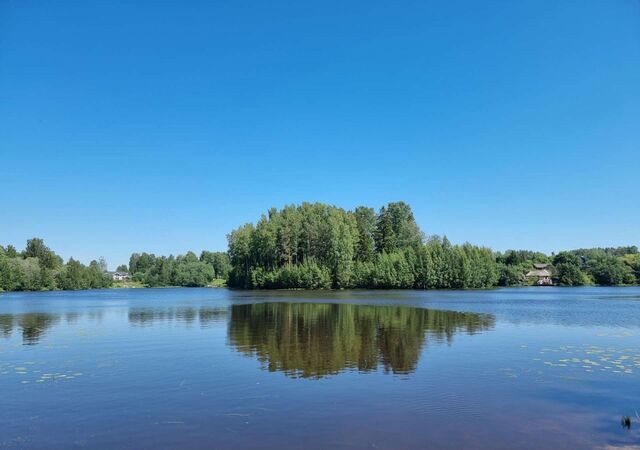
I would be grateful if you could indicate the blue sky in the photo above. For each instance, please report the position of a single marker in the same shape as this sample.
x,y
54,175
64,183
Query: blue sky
x,y
160,126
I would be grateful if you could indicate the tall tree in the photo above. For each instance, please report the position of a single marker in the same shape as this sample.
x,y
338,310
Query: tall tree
x,y
366,224
397,228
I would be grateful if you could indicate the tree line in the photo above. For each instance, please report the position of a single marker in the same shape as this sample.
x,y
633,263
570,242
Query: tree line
x,y
186,270
602,266
318,246
38,268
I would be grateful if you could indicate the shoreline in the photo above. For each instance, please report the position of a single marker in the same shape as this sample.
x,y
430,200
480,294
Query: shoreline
x,y
496,288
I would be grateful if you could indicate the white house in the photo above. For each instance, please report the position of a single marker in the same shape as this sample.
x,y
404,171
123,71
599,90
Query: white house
x,y
121,276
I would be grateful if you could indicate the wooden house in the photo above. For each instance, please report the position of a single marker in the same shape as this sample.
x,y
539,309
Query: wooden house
x,y
542,274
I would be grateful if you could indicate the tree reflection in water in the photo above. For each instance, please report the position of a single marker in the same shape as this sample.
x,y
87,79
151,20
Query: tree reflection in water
x,y
32,325
185,315
313,340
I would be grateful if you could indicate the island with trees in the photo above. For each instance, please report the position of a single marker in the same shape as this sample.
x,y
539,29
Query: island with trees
x,y
319,246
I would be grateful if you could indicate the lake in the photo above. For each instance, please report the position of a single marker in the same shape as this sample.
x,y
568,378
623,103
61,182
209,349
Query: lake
x,y
530,368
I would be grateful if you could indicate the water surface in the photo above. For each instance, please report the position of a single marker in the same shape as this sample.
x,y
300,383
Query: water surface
x,y
527,368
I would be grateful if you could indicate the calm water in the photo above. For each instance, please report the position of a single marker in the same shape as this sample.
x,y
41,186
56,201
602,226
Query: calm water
x,y
539,368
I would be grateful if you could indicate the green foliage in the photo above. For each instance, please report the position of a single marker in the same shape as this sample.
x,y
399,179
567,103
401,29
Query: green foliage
x,y
36,249
567,258
397,228
611,271
219,261
11,252
38,268
366,225
388,271
307,275
510,275
76,276
73,277
241,251
27,274
218,283
568,274
320,246
595,253
184,270
362,249
192,274
604,266
343,239
97,274
141,262
633,262
522,258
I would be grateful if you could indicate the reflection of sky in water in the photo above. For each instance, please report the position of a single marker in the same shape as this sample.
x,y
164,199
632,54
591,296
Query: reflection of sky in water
x,y
208,368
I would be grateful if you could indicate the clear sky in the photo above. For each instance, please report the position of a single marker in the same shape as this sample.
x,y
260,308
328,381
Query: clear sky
x,y
160,126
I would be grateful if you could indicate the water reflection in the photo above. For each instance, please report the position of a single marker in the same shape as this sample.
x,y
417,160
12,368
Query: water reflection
x,y
32,325
313,340
186,315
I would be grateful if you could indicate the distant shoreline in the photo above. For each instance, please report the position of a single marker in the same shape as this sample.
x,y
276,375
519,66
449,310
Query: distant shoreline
x,y
495,288
316,246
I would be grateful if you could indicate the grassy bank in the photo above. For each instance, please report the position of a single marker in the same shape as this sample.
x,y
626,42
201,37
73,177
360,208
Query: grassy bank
x,y
127,284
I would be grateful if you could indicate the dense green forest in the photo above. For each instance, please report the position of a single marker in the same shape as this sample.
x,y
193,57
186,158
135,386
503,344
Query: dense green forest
x,y
318,246
602,266
183,270
38,268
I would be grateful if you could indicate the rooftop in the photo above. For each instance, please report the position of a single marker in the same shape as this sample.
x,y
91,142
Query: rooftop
x,y
539,273
541,265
